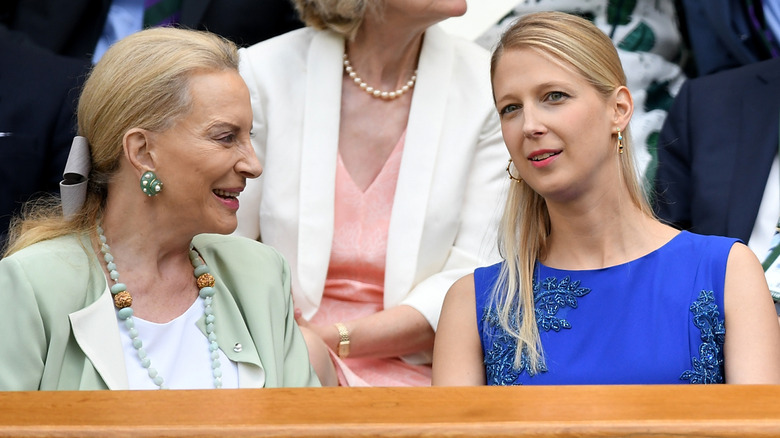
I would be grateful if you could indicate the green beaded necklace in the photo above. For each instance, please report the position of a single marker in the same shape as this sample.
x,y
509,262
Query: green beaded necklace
x,y
123,302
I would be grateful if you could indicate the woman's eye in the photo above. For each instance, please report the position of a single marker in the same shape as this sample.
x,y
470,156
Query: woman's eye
x,y
228,138
556,96
509,108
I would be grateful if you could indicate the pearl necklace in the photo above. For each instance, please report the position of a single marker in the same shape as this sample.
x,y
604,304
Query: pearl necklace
x,y
386,95
123,300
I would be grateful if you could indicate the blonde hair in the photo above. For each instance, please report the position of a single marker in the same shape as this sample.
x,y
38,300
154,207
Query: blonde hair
x,y
141,81
341,16
525,224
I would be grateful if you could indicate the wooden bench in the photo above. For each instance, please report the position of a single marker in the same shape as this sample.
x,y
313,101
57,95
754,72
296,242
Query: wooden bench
x,y
603,411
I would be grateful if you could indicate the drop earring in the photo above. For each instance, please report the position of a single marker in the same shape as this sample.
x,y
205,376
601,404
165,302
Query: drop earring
x,y
620,141
517,180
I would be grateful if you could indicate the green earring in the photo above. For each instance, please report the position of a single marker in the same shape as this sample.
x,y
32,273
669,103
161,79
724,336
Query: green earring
x,y
150,185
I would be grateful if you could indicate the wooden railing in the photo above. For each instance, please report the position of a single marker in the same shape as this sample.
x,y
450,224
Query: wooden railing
x,y
635,411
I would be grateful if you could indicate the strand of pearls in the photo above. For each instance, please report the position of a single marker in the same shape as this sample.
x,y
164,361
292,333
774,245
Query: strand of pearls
x,y
123,301
386,95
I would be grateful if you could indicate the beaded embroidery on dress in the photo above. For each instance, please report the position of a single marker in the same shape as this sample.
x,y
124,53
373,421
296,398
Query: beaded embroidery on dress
x,y
654,320
500,353
550,296
708,367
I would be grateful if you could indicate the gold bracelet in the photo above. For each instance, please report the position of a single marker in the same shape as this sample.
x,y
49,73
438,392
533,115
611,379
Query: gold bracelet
x,y
343,340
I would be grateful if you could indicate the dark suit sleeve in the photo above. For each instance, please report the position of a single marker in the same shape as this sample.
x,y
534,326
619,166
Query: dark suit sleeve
x,y
673,178
720,35
70,28
245,22
38,92
63,132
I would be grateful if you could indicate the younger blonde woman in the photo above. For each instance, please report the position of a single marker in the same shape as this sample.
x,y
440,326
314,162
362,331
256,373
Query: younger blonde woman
x,y
593,288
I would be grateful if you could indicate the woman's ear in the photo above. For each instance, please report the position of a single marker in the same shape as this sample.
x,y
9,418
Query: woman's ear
x,y
136,145
624,107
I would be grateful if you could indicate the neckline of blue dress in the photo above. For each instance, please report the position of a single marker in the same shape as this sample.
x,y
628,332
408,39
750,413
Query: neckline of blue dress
x,y
663,248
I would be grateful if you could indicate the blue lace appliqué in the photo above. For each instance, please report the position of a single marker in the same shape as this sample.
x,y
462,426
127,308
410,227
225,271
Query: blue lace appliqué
x,y
550,296
708,367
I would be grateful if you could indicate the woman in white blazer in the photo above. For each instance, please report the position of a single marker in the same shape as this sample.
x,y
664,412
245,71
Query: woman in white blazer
x,y
320,113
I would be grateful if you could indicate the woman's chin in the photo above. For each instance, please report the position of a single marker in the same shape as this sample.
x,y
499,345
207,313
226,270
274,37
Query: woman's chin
x,y
224,226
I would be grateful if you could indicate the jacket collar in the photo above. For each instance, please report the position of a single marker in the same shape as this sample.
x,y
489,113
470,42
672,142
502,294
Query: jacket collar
x,y
96,330
423,138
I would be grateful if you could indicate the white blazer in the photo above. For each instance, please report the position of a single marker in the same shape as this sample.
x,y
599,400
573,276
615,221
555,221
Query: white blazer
x,y
450,186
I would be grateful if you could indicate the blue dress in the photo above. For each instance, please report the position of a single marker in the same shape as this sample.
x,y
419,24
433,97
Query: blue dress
x,y
655,320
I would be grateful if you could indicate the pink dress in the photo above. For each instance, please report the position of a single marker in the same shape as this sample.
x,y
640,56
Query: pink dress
x,y
354,286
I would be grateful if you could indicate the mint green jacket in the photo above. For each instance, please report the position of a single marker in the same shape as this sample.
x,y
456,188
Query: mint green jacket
x,y
59,330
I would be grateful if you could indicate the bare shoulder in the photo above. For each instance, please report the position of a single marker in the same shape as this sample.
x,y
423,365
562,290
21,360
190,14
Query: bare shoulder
x,y
752,345
461,293
744,274
457,352
742,256
465,282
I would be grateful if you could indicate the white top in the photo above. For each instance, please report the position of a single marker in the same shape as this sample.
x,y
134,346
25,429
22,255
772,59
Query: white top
x,y
178,350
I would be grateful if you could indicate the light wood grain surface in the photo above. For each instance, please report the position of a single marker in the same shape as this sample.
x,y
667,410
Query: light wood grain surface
x,y
612,411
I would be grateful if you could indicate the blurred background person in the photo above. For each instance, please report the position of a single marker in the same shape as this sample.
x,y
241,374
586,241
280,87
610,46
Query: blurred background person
x,y
724,34
718,167
85,28
383,166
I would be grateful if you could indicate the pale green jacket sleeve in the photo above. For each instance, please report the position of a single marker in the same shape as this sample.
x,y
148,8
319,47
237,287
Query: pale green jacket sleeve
x,y
41,286
24,344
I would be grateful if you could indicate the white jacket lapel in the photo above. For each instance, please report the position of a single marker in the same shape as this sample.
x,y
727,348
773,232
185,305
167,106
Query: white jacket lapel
x,y
96,331
423,137
318,163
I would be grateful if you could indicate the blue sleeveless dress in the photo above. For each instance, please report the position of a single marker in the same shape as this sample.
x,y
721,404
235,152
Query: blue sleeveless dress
x,y
655,320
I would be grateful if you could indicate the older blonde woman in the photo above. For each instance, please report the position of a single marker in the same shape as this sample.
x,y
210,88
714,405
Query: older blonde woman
x,y
136,287
383,162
